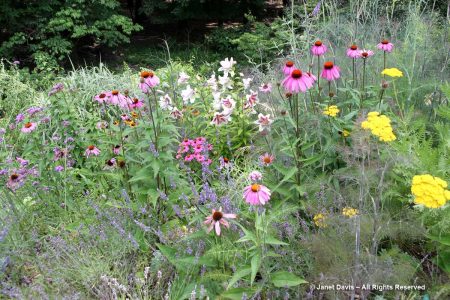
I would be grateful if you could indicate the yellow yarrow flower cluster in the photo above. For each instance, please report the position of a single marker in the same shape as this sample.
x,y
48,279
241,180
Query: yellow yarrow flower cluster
x,y
392,72
349,212
430,191
319,220
331,111
380,125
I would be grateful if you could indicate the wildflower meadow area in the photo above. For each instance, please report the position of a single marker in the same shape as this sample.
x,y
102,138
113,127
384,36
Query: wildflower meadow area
x,y
230,149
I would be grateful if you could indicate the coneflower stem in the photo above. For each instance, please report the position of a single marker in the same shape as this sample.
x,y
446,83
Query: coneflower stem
x,y
363,96
318,76
354,74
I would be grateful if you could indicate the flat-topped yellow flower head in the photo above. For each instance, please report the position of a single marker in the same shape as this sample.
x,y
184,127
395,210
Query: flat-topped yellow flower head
x,y
392,72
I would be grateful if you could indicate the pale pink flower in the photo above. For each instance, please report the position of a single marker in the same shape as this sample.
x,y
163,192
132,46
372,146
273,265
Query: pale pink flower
x,y
365,53
246,82
118,99
148,80
385,46
183,78
318,48
102,97
252,99
353,52
264,122
227,65
255,176
136,103
256,194
330,71
28,127
216,218
220,118
188,95
15,181
176,114
228,104
92,150
288,68
165,102
266,159
101,125
265,88
297,82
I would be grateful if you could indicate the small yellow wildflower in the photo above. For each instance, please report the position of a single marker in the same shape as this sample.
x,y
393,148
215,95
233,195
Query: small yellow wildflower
x,y
392,72
134,115
430,191
349,212
345,133
319,220
380,126
331,111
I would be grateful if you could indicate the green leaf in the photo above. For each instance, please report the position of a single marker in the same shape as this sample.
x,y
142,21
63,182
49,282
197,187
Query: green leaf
x,y
236,294
283,279
238,275
256,264
273,241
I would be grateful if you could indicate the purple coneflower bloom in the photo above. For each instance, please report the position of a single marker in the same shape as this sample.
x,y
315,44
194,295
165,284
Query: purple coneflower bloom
x,y
288,68
59,168
353,52
28,127
318,49
102,97
265,88
92,150
297,81
385,46
266,159
148,80
330,71
256,194
365,53
216,218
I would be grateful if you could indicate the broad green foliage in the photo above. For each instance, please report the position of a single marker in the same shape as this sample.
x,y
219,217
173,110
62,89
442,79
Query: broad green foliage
x,y
50,30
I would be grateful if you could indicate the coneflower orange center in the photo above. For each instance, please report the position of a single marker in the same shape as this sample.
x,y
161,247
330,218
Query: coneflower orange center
x,y
28,125
225,160
145,74
328,65
385,42
91,147
255,188
267,159
102,95
115,92
296,73
14,176
353,47
289,63
135,100
365,54
217,215
318,43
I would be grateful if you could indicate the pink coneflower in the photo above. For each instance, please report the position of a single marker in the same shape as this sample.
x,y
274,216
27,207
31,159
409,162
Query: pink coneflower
x,y
312,76
264,122
102,97
297,81
256,194
266,159
385,46
216,218
136,103
198,148
118,99
15,181
116,149
288,68
353,51
220,118
318,48
365,53
148,80
28,127
189,157
330,71
92,150
265,88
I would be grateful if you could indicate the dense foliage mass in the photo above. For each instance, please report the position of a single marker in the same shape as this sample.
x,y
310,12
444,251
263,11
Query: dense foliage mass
x,y
325,163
